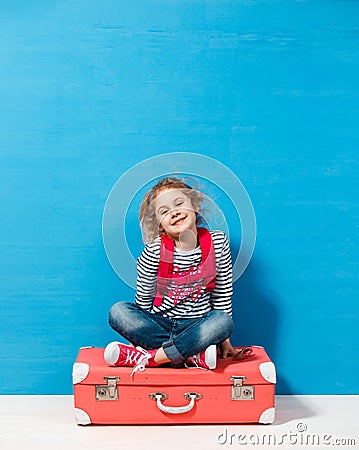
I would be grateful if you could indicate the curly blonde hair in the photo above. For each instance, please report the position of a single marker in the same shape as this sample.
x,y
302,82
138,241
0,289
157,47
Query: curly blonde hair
x,y
149,223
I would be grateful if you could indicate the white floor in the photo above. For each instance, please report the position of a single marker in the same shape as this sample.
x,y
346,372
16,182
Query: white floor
x,y
47,422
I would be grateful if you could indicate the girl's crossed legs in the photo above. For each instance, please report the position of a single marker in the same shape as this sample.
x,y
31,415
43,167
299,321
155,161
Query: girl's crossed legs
x,y
176,339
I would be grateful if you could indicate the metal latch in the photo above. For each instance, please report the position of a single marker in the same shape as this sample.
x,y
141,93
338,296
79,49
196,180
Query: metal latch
x,y
109,391
240,392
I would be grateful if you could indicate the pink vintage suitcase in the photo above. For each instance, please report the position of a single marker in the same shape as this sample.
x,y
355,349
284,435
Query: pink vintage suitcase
x,y
235,392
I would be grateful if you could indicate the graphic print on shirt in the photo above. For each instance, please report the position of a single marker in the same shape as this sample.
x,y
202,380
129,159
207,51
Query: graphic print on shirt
x,y
187,284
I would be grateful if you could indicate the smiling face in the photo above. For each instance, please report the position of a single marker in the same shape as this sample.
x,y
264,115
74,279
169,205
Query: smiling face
x,y
176,215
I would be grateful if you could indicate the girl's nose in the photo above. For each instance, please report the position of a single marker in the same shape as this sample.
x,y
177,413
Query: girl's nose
x,y
174,212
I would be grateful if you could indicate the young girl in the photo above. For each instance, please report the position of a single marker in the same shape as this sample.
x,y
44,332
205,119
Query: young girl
x,y
183,307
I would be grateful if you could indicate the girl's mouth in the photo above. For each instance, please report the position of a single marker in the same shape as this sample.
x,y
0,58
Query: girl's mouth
x,y
179,221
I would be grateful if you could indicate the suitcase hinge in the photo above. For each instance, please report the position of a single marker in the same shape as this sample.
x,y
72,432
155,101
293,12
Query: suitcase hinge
x,y
109,391
240,392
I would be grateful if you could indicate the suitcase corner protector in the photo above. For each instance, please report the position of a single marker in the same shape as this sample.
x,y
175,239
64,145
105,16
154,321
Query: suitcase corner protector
x,y
268,372
79,372
81,417
267,416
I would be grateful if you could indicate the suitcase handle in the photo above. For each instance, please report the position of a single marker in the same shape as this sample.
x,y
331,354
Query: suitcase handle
x,y
159,396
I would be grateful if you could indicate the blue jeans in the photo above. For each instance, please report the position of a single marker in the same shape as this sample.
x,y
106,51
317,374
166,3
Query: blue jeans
x,y
180,338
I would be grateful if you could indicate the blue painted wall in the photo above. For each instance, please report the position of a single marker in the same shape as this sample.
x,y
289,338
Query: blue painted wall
x,y
270,89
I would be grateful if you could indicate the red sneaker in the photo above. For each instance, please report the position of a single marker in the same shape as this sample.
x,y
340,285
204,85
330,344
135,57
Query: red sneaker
x,y
118,354
207,359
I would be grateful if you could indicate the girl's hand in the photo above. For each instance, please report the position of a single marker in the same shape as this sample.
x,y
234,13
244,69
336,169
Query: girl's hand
x,y
227,349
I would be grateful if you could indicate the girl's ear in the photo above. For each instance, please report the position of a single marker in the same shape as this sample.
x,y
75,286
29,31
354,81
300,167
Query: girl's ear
x,y
195,207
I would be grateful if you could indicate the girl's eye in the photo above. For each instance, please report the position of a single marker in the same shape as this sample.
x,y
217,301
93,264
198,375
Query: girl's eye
x,y
179,203
163,212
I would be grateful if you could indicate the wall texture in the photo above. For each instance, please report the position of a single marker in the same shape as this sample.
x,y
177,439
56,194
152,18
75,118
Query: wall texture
x,y
270,89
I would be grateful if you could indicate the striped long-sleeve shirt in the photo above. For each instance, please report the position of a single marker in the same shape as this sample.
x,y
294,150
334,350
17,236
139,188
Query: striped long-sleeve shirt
x,y
185,261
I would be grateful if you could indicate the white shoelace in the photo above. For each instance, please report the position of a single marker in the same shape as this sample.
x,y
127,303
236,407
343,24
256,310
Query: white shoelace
x,y
139,360
193,359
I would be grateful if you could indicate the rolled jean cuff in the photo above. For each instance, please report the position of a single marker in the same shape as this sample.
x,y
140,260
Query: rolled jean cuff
x,y
172,353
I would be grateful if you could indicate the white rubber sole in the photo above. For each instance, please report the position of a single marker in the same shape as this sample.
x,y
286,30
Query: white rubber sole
x,y
112,352
210,357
